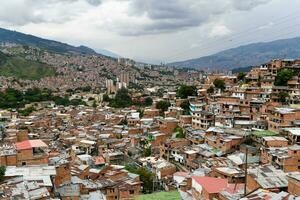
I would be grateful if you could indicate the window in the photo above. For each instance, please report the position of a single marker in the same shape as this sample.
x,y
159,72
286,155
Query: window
x,y
131,191
23,163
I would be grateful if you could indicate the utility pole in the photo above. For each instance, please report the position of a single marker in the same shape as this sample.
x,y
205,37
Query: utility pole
x,y
246,168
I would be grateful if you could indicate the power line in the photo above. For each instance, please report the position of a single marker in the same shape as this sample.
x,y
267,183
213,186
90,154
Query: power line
x,y
254,29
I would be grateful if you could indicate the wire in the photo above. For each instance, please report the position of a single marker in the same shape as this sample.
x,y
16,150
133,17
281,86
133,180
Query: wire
x,y
279,21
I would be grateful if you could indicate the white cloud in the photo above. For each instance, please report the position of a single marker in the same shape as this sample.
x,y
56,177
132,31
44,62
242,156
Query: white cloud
x,y
219,31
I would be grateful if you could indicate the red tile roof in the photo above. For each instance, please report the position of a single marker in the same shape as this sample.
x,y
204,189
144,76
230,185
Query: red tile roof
x,y
29,144
210,184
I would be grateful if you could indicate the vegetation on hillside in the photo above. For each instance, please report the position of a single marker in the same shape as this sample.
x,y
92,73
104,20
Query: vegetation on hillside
x,y
19,67
179,132
146,177
2,172
220,84
173,195
186,90
283,76
163,106
185,105
121,100
15,99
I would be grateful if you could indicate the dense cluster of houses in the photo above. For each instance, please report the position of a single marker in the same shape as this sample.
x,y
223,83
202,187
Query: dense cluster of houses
x,y
237,142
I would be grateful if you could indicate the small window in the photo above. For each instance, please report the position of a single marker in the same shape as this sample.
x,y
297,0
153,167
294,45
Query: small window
x,y
23,163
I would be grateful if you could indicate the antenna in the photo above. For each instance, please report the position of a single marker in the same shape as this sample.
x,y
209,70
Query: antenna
x,y
246,168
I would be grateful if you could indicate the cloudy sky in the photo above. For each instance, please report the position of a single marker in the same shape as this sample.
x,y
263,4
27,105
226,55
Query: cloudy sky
x,y
155,30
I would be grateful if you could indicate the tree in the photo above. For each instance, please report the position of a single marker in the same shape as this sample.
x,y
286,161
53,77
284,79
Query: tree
x,y
283,97
105,98
2,172
123,122
141,111
146,176
94,104
283,76
241,76
26,111
122,99
163,106
185,105
148,101
185,90
147,152
210,90
179,132
220,84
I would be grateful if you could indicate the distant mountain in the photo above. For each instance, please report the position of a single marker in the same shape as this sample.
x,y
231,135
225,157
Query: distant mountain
x,y
245,56
107,53
50,45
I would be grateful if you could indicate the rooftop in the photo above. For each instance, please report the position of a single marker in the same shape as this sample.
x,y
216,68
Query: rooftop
x,y
29,144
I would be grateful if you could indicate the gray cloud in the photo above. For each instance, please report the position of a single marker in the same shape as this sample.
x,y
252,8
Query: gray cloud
x,y
22,12
172,15
141,17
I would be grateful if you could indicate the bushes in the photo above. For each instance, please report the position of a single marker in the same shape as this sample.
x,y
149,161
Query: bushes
x,y
163,106
2,172
146,177
283,77
122,99
12,98
185,90
220,84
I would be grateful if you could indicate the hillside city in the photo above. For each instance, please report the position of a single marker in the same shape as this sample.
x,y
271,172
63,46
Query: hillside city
x,y
105,128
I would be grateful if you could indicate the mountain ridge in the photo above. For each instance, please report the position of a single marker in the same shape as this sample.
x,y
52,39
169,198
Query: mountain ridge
x,y
245,55
9,36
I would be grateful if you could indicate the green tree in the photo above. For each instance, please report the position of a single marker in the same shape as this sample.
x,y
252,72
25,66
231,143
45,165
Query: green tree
x,y
122,99
146,176
141,111
283,97
26,111
283,76
2,172
179,132
163,106
106,98
94,104
148,101
210,90
220,84
186,90
241,76
64,101
185,105
123,122
159,93
76,102
147,152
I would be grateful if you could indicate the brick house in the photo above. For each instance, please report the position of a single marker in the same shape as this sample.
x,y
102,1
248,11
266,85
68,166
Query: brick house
x,y
31,152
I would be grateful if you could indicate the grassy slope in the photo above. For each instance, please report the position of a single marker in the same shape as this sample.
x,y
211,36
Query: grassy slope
x,y
174,195
19,67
